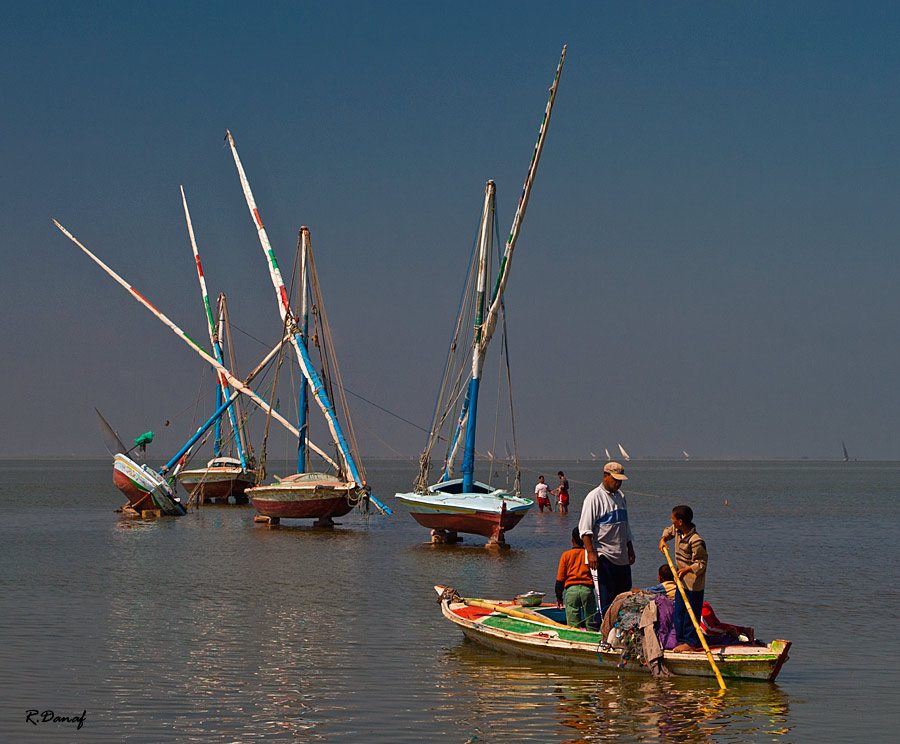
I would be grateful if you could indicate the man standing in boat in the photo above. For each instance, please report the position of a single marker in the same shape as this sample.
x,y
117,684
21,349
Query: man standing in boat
x,y
607,536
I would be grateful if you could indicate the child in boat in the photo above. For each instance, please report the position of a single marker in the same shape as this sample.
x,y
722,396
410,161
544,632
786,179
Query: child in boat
x,y
717,632
574,578
690,563
666,583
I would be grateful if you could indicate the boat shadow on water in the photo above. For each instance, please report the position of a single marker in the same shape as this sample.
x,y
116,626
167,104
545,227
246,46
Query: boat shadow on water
x,y
608,705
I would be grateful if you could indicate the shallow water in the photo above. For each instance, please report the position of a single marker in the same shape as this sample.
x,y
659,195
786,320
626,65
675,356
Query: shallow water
x,y
210,628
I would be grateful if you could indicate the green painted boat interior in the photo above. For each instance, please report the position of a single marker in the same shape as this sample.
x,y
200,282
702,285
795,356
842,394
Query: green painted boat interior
x,y
514,625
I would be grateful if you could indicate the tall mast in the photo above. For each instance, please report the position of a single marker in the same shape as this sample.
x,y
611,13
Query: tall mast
x,y
503,274
468,417
221,382
284,307
234,381
484,331
304,320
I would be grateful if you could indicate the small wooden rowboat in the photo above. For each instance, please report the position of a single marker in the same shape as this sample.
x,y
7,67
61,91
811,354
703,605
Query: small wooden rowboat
x,y
504,626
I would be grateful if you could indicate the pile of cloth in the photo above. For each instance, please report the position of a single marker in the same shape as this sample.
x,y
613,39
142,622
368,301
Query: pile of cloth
x,y
640,625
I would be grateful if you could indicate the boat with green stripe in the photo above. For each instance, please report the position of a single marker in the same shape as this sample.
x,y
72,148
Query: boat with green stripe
x,y
537,632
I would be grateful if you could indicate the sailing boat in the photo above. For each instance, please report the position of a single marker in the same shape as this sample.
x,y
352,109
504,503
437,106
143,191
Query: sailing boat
x,y
309,494
223,476
145,489
123,464
624,453
686,455
454,505
845,458
606,450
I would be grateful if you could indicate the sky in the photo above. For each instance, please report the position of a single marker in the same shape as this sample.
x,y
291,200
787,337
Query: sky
x,y
709,261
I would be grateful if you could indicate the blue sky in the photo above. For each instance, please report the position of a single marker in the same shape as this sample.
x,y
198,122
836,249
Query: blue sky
x,y
708,263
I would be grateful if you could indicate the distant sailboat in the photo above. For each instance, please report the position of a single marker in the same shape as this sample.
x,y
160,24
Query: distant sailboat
x,y
607,454
844,448
624,453
593,456
686,455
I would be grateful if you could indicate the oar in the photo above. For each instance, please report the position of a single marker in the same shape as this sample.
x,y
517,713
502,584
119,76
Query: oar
x,y
693,617
484,604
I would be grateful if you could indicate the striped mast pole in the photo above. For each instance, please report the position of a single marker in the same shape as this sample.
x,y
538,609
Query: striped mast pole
x,y
485,330
490,323
284,307
234,381
221,382
304,329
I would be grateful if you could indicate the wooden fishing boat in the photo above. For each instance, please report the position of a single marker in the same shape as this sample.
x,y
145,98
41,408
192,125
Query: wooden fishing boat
x,y
309,494
305,496
536,632
145,489
453,505
482,510
222,477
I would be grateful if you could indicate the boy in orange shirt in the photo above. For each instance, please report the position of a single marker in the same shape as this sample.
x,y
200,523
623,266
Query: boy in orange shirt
x,y
574,577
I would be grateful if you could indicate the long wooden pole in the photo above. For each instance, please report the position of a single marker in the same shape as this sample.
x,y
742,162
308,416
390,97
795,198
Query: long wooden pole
x,y
485,605
693,617
235,382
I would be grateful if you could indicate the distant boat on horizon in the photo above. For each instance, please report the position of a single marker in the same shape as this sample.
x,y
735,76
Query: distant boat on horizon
x,y
844,448
686,455
607,454
624,453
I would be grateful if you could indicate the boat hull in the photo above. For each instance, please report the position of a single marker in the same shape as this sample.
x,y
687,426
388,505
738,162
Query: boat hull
x,y
144,488
486,524
214,484
487,512
533,639
309,498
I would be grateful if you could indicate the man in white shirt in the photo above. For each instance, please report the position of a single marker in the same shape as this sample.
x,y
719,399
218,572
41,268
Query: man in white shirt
x,y
542,494
607,536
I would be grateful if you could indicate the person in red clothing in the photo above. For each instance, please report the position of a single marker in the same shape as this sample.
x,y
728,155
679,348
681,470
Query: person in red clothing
x,y
574,578
717,632
562,493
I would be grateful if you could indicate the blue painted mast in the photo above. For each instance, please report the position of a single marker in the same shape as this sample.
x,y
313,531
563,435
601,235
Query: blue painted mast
x,y
484,240
200,432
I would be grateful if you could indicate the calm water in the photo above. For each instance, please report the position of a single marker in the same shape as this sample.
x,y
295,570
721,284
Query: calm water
x,y
210,628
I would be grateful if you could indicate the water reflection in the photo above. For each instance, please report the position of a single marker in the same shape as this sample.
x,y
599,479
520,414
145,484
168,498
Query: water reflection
x,y
512,695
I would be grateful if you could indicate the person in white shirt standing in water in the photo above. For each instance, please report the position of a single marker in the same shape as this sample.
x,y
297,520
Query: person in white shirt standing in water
x,y
542,493
607,536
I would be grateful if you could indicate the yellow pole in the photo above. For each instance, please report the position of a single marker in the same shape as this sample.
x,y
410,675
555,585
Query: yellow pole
x,y
484,604
690,610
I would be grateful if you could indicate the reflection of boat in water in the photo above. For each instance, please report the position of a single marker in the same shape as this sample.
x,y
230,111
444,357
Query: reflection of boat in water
x,y
503,626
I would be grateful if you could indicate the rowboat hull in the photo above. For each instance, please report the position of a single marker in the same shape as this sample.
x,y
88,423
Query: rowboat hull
x,y
304,496
487,512
145,489
522,637
216,482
